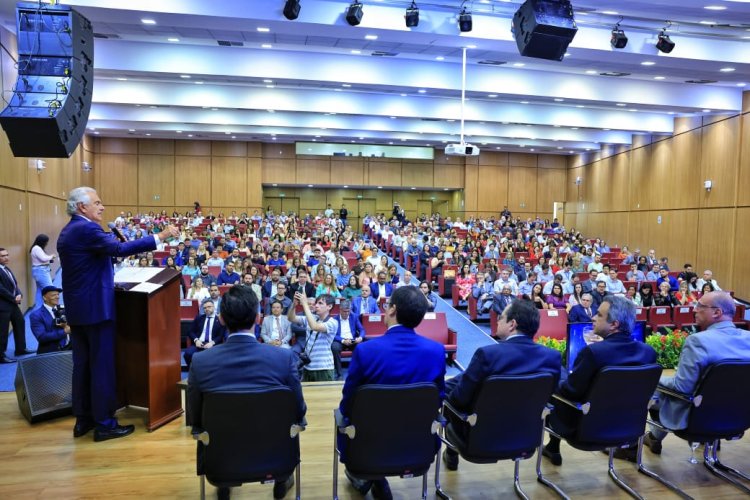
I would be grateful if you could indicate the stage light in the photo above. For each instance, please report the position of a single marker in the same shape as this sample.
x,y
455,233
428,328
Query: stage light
x,y
291,9
464,21
354,14
412,15
619,40
665,44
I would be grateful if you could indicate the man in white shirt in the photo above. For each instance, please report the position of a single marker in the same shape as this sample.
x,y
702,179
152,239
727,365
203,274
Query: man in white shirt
x,y
614,285
406,280
708,277
505,280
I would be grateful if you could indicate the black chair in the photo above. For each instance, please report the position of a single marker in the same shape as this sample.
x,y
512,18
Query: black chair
x,y
718,409
248,437
612,416
505,423
392,431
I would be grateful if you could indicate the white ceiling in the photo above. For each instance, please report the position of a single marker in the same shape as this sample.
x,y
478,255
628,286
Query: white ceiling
x,y
317,78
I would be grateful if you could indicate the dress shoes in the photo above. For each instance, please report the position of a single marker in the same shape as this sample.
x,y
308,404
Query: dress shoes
x,y
113,433
361,485
24,352
554,457
450,459
381,489
652,443
6,359
630,454
82,428
280,488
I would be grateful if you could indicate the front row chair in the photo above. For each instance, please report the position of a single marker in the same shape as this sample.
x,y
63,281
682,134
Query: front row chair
x,y
392,430
613,415
506,422
248,437
718,409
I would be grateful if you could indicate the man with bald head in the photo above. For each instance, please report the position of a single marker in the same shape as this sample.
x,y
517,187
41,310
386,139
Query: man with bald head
x,y
718,340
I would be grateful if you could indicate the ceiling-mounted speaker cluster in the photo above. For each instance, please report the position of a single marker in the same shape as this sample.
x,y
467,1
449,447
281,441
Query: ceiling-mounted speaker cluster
x,y
544,28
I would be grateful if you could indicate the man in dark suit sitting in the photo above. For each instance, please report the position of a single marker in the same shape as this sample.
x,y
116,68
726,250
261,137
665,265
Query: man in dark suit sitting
x,y
48,326
349,334
613,322
515,354
302,283
206,332
381,290
583,312
364,304
241,364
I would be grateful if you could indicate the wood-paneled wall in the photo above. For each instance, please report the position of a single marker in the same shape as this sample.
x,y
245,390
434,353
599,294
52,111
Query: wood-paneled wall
x,y
652,196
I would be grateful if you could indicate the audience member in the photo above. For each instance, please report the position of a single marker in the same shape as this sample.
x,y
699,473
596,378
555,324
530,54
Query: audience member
x,y
205,332
321,329
349,334
10,311
583,312
49,324
276,329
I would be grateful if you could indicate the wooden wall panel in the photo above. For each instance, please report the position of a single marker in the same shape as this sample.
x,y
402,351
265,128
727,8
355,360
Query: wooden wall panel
x,y
676,237
684,176
492,188
658,179
228,181
620,183
14,236
155,147
471,185
118,179
448,175
574,192
491,158
278,171
156,180
311,200
347,172
229,148
743,199
522,160
113,145
640,188
383,173
192,180
13,171
417,174
314,171
600,195
273,150
550,188
254,183
740,283
552,161
192,148
522,188
719,159
714,247
254,150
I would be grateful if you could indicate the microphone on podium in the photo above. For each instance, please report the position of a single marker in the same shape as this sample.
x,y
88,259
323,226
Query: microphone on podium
x,y
116,232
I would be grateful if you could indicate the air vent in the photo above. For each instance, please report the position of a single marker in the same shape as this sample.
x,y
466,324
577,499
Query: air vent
x,y
614,73
226,43
106,36
380,53
700,82
431,120
490,62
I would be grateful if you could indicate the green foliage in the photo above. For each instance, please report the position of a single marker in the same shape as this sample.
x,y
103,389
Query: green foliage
x,y
668,346
557,345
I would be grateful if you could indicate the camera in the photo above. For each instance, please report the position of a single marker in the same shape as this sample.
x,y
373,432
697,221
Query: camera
x,y
60,318
304,359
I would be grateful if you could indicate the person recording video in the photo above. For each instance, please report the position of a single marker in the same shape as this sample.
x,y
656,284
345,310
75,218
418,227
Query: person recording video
x,y
49,324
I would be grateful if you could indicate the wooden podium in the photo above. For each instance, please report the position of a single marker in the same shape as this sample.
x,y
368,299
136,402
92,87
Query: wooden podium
x,y
148,348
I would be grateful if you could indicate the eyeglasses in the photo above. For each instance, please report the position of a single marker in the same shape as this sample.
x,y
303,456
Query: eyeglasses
x,y
700,305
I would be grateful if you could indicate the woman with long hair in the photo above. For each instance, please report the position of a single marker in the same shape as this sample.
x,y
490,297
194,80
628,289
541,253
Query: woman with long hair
x,y
197,290
40,266
465,282
575,297
684,296
429,295
191,268
647,295
352,288
556,299
538,298
328,286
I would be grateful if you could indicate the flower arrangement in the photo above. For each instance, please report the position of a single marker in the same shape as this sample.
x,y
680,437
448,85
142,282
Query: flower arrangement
x,y
668,346
557,345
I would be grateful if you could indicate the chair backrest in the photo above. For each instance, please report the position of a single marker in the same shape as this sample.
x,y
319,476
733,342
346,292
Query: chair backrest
x,y
683,315
512,429
393,430
618,398
249,435
434,326
660,315
724,411
188,309
374,325
553,323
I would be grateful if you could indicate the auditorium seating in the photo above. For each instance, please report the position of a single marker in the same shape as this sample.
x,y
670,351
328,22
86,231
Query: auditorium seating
x,y
660,316
435,326
553,323
683,316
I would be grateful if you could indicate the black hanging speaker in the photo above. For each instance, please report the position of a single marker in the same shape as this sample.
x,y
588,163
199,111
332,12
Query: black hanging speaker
x,y
544,28
44,386
51,99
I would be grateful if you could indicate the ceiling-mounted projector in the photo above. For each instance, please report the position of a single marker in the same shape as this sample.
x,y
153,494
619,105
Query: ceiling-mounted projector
x,y
464,149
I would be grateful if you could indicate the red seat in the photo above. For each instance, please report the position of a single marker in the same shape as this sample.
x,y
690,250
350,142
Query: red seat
x,y
374,325
215,271
435,326
442,280
493,322
641,313
553,323
660,316
160,255
739,316
224,288
582,276
683,316
188,309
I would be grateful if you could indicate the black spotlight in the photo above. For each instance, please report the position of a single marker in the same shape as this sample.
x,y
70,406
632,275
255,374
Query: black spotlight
x,y
412,15
464,21
291,9
665,44
619,40
354,13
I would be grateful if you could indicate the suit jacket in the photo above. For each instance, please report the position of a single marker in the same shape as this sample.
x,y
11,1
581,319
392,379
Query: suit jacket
x,y
218,331
8,292
616,350
719,342
241,364
398,357
516,356
500,302
86,252
266,329
370,307
51,338
355,326
286,303
578,314
309,290
375,289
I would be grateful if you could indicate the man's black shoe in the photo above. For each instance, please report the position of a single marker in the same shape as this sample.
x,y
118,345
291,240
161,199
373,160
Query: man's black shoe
x,y
81,429
652,443
450,459
382,490
114,433
554,457
362,486
24,352
280,488
629,454
6,359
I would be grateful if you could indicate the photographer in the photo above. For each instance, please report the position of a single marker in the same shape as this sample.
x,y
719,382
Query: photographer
x,y
49,324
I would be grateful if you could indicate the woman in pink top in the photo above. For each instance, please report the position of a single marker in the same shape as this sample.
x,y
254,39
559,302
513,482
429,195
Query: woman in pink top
x,y
465,282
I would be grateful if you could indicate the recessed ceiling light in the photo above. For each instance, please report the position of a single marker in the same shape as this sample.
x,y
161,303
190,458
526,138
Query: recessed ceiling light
x,y
131,130
347,85
178,131
345,187
263,29
611,12
337,90
633,110
393,117
356,51
190,135
371,37
492,96
184,76
146,134
472,46
380,187
591,72
440,58
519,65
173,39
621,104
580,106
648,63
715,7
559,100
726,70
266,46
741,84
707,111
267,81
414,188
403,95
659,77
573,128
421,91
708,23
148,21
567,54
524,102
270,86
309,185
227,133
199,83
122,79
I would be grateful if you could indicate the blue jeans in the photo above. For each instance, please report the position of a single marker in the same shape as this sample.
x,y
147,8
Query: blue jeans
x,y
41,275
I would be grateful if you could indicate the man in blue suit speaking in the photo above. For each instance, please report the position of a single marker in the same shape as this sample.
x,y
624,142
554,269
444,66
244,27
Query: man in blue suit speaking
x,y
86,252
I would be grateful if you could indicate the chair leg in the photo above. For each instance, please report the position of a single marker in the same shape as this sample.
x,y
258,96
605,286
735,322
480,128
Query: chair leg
x,y
438,489
653,475
619,482
203,487
724,467
546,482
517,481
424,486
298,487
710,461
335,464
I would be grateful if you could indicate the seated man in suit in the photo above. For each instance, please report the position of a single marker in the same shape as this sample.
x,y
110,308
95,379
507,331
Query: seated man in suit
x,y
614,321
503,299
718,340
514,354
276,329
381,290
303,285
365,304
206,332
241,364
583,312
269,287
398,357
349,334
48,323
280,297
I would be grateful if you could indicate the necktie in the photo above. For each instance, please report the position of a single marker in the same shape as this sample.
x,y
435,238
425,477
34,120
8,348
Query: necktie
x,y
12,279
278,327
588,312
207,329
